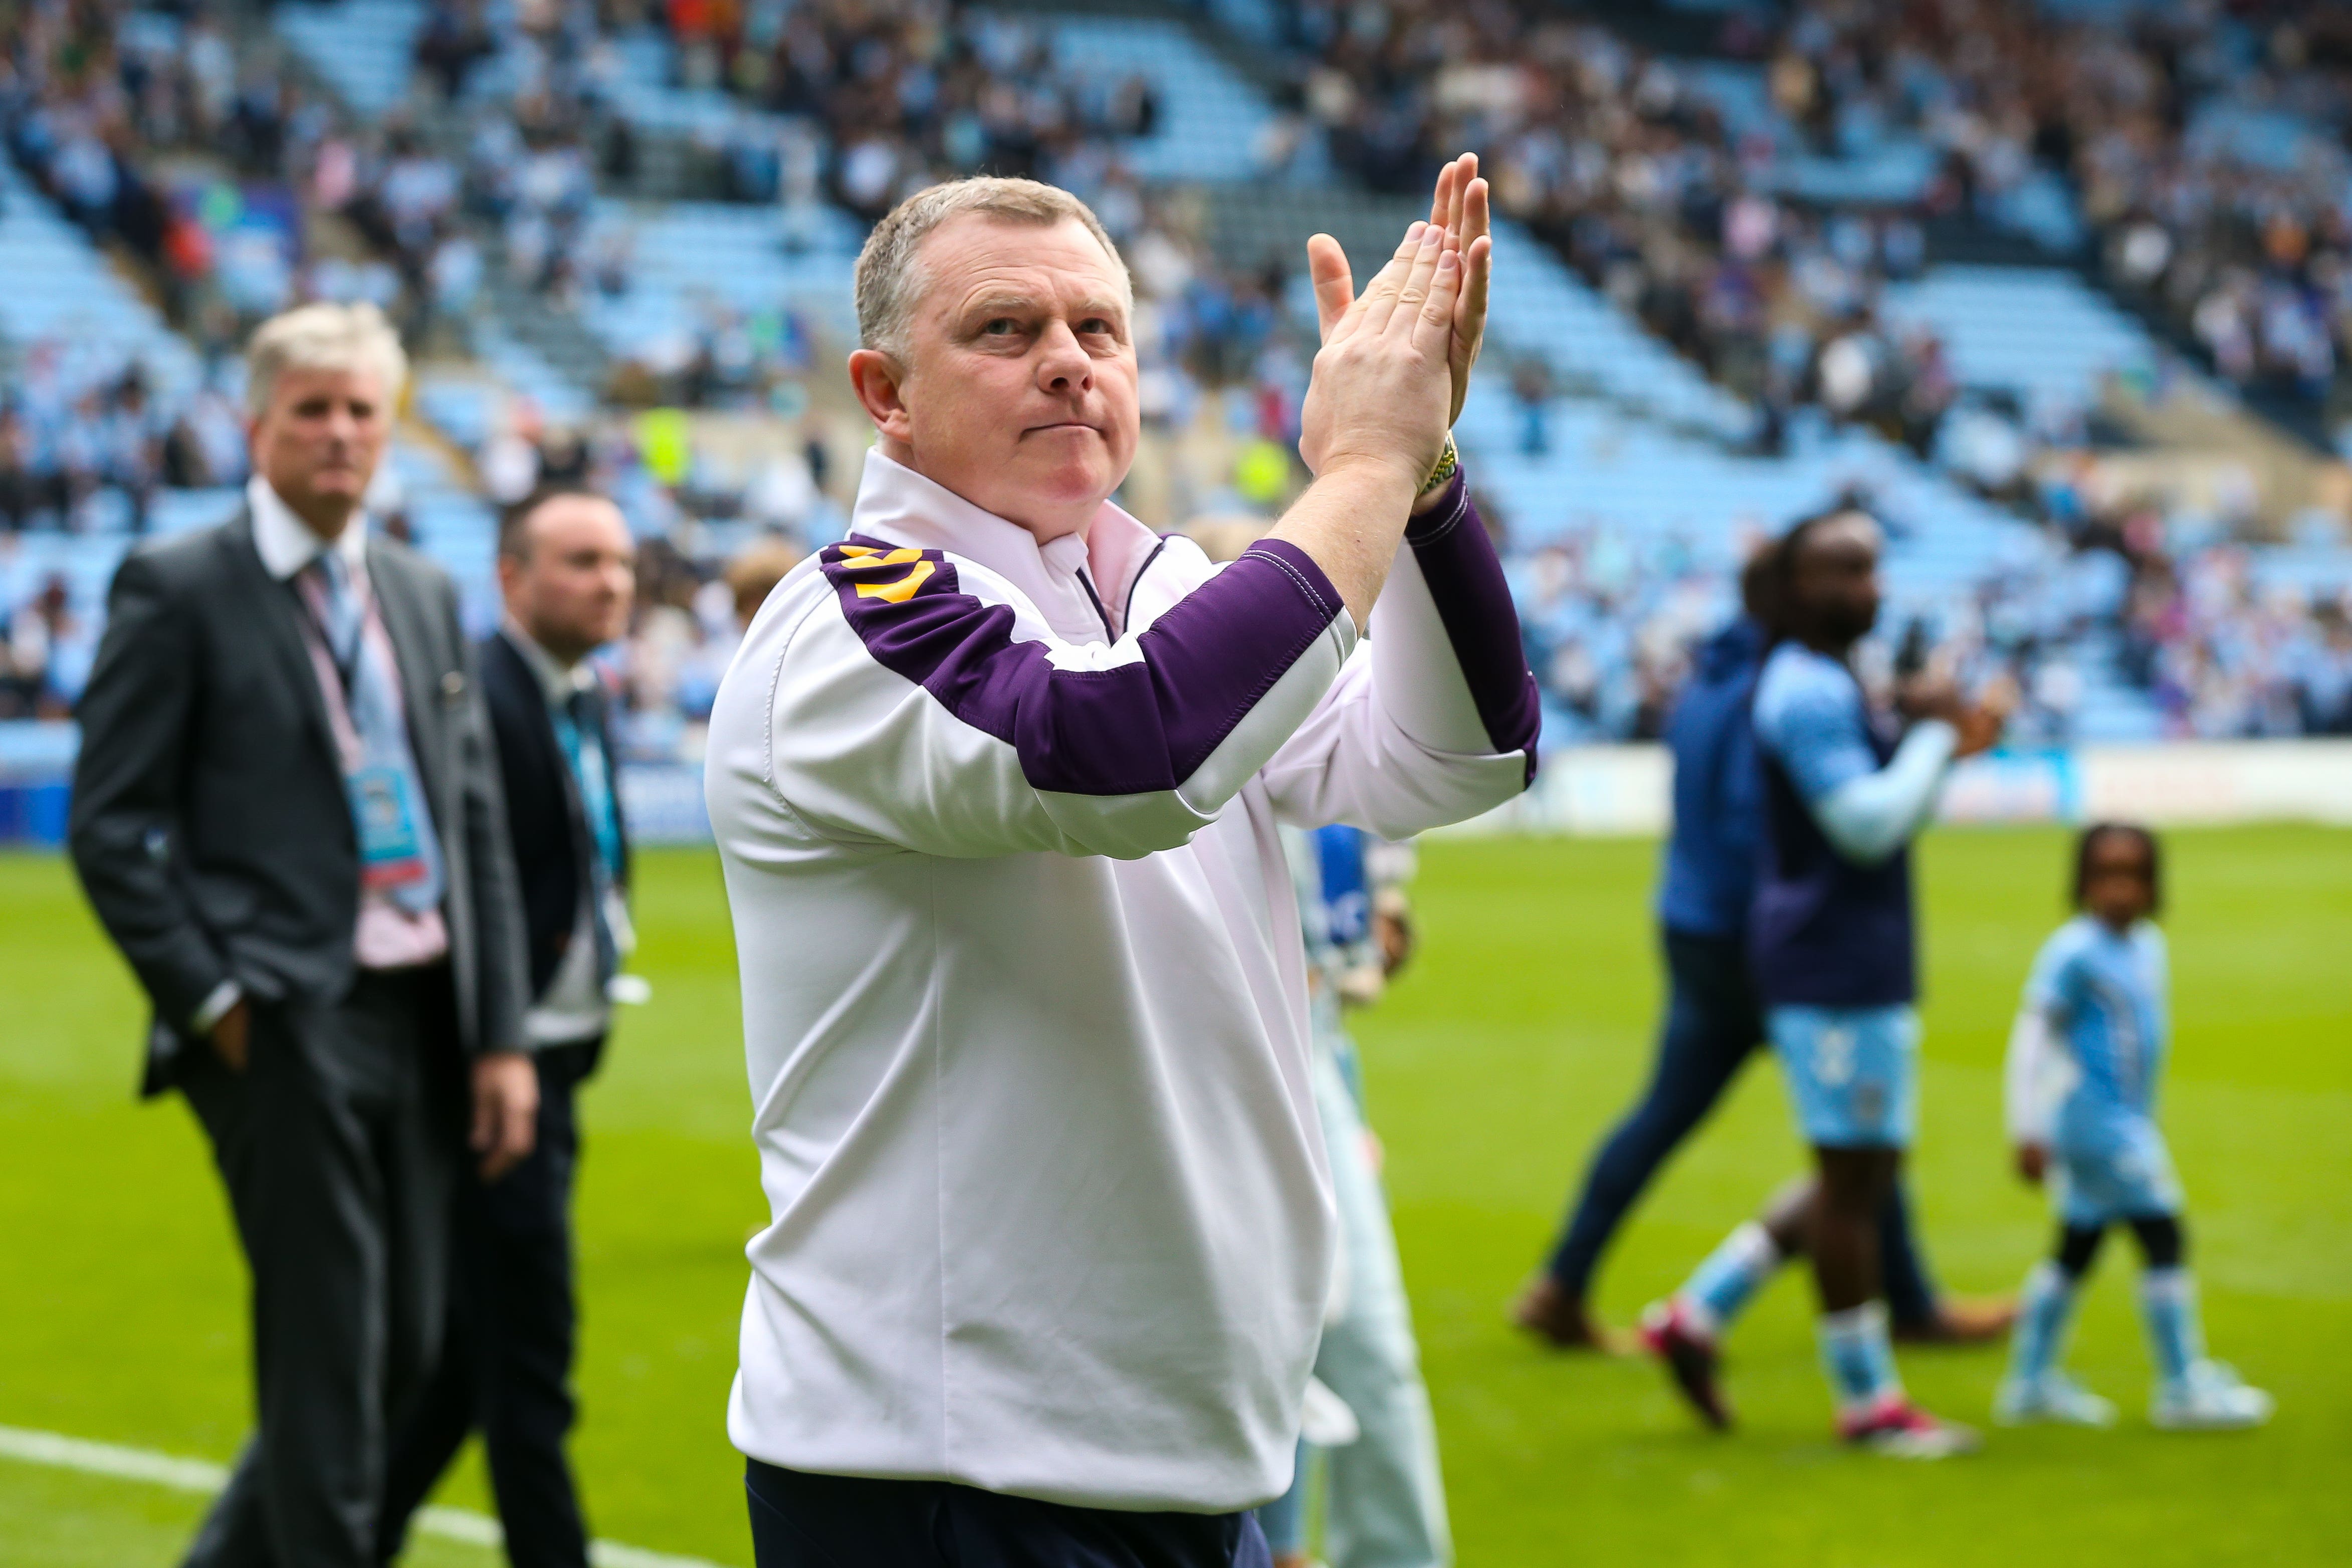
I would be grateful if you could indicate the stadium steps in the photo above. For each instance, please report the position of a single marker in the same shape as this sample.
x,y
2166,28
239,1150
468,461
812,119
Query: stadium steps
x,y
64,290
693,257
568,355
364,51
2039,332
1213,119
1240,35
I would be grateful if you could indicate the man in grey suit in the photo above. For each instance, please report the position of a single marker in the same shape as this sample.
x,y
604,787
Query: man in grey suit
x,y
288,815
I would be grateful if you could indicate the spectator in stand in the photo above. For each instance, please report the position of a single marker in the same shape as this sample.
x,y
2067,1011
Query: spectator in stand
x,y
37,640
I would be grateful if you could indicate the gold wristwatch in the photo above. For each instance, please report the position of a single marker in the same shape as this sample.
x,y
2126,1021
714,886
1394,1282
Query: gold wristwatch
x,y
1449,463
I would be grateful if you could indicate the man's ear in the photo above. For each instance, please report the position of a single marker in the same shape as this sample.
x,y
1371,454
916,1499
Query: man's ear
x,y
877,379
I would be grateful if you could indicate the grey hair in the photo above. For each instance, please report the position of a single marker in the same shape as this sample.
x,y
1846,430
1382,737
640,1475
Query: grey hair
x,y
323,337
890,279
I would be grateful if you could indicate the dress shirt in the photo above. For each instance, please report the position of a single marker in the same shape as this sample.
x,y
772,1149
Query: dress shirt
x,y
574,1006
386,936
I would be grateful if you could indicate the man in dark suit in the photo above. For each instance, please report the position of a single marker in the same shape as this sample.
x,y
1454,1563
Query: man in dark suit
x,y
568,571
289,816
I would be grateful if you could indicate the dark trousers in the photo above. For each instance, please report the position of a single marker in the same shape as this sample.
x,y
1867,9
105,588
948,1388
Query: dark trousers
x,y
1713,1021
507,1369
340,1144
800,1520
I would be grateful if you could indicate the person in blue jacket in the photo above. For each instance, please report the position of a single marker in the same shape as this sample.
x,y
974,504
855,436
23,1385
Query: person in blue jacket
x,y
1714,1022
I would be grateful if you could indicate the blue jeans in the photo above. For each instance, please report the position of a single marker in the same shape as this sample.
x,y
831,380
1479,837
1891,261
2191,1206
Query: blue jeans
x,y
803,1520
1713,1021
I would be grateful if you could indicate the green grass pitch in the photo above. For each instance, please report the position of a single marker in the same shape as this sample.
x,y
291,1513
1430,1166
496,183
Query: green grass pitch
x,y
1519,1034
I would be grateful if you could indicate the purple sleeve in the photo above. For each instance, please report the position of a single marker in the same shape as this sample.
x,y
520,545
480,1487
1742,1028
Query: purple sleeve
x,y
1474,602
1144,726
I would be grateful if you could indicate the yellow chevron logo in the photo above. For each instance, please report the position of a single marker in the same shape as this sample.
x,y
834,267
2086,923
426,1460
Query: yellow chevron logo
x,y
898,592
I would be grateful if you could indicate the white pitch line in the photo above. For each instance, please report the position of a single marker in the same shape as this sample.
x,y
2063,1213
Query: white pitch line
x,y
61,1452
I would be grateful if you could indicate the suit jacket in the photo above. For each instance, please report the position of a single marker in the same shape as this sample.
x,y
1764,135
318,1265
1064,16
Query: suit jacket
x,y
210,824
552,847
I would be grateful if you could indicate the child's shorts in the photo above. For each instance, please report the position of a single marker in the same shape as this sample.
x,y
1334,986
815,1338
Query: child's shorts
x,y
2113,1168
1853,1073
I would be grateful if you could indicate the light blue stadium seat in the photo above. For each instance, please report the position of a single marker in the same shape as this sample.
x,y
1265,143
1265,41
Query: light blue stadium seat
x,y
2042,333
1211,121
366,50
688,253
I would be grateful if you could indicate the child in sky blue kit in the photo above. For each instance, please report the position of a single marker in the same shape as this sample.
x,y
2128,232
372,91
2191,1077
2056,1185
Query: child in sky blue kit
x,y
2084,1063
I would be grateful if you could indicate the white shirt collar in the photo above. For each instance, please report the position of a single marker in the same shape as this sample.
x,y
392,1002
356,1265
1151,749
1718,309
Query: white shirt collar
x,y
285,541
558,681
901,506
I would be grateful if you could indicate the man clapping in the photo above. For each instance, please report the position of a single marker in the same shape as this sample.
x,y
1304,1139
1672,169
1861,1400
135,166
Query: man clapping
x,y
996,782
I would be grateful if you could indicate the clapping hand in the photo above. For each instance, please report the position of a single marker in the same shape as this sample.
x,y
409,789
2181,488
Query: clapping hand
x,y
1459,211
1934,695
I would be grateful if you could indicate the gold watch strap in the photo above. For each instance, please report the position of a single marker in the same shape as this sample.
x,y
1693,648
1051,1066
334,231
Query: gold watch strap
x,y
1449,462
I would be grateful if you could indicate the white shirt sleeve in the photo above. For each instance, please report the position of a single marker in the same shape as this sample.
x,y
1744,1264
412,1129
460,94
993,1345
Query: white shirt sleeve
x,y
1435,721
1869,818
913,706
1810,719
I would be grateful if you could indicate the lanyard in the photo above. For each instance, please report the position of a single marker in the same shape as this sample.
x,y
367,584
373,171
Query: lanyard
x,y
345,661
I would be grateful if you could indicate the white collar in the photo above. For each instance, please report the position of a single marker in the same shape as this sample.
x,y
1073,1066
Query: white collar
x,y
900,505
285,541
558,682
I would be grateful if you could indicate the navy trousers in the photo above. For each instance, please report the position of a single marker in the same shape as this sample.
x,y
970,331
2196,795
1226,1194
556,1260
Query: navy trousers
x,y
1713,1021
803,1520
506,1367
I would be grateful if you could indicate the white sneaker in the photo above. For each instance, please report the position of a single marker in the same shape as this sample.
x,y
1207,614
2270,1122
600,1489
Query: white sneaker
x,y
1901,1430
2053,1398
2212,1397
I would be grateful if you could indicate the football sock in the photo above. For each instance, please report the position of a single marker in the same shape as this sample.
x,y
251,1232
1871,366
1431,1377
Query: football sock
x,y
1857,1358
2176,1337
2045,1309
1729,1277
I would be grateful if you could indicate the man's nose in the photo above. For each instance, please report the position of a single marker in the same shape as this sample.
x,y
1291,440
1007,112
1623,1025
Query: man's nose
x,y
1063,366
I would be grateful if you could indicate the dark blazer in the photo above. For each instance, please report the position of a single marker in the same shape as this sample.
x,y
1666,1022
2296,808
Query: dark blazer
x,y
551,842
210,824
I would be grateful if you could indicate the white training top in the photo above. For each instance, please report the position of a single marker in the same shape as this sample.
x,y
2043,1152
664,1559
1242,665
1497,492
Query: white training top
x,y
1024,1001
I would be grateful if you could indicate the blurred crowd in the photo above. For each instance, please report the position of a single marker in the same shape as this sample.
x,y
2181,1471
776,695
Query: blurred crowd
x,y
2203,141
1629,167
44,652
2203,146
909,92
2165,605
85,443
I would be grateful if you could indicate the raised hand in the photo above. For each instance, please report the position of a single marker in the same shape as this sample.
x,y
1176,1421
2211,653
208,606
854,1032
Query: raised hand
x,y
1462,206
1384,371
1376,417
1459,207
